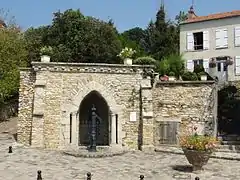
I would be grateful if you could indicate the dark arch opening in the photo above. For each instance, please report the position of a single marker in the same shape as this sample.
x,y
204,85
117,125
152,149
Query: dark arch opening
x,y
102,110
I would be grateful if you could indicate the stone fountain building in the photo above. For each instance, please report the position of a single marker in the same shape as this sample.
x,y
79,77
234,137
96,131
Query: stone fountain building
x,y
137,113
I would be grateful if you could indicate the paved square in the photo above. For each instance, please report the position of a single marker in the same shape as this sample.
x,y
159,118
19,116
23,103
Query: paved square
x,y
23,164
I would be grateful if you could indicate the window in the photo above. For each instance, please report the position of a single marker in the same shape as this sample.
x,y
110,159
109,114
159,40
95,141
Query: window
x,y
237,36
198,62
221,64
198,40
221,38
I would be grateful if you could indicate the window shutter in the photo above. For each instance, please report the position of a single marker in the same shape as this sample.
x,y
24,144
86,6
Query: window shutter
x,y
225,37
205,40
237,65
218,38
190,65
237,36
190,42
206,64
168,132
221,38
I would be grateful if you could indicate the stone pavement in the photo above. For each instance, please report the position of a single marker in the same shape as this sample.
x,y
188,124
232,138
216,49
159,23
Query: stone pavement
x,y
23,164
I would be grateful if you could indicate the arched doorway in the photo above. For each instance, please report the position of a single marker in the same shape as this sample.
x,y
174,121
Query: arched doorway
x,y
102,108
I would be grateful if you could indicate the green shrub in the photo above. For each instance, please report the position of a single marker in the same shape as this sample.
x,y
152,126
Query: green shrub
x,y
202,73
171,74
173,63
189,76
145,61
198,68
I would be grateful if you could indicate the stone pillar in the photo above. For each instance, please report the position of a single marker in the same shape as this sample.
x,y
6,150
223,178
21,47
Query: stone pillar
x,y
26,91
38,113
75,128
147,116
113,130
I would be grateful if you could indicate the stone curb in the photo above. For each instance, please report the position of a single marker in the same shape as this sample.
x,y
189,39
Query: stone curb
x,y
216,156
94,155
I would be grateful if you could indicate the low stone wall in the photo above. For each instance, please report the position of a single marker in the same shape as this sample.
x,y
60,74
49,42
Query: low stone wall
x,y
179,106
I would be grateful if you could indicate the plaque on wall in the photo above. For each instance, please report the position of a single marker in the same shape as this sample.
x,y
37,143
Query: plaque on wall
x,y
133,116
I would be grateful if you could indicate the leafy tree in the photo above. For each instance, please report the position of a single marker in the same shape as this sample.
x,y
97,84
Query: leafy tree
x,y
161,36
182,16
13,54
78,38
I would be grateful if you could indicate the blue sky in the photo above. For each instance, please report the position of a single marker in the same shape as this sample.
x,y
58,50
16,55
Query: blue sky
x,y
125,13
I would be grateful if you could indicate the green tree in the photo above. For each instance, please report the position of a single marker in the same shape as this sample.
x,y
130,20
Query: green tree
x,y
161,36
78,38
182,16
13,54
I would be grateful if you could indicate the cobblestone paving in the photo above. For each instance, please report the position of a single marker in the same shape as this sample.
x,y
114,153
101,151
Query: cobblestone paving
x,y
23,164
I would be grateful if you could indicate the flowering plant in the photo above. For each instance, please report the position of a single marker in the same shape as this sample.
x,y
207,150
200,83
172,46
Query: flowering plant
x,y
46,50
197,142
126,53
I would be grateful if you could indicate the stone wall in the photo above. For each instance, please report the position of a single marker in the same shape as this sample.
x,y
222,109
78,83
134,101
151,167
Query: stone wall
x,y
59,90
179,106
25,111
142,116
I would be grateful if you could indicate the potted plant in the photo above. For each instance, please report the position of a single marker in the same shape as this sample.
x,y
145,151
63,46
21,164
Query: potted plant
x,y
229,61
126,54
197,148
212,63
203,76
46,53
171,76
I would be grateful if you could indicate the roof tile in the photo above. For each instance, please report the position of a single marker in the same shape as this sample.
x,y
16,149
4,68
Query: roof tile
x,y
214,16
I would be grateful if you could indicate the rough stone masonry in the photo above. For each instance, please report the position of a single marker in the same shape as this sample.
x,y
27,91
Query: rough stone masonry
x,y
140,114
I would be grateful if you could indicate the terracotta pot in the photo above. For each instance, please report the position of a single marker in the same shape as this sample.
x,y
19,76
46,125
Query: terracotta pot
x,y
197,158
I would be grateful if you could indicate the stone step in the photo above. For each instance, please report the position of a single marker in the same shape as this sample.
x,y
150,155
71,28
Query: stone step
x,y
230,142
229,148
229,138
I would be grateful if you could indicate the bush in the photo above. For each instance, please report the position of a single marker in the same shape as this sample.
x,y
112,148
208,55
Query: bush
x,y
189,76
198,68
145,61
171,74
173,63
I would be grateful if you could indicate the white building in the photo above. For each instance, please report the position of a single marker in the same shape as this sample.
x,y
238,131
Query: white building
x,y
214,42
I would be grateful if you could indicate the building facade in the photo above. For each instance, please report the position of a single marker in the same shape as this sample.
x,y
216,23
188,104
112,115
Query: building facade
x,y
214,42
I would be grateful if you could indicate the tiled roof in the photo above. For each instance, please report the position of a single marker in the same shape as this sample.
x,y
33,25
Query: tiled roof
x,y
213,16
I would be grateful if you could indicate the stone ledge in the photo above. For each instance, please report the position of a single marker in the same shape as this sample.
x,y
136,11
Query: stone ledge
x,y
90,67
217,155
183,83
101,153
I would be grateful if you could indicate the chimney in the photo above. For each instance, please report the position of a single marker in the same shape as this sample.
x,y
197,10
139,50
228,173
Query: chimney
x,y
191,13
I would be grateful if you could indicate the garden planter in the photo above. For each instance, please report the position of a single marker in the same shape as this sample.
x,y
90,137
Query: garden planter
x,y
127,61
197,158
45,58
171,78
203,77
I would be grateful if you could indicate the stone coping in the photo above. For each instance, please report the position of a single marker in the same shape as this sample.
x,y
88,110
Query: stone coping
x,y
182,83
217,154
90,65
101,152
88,68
